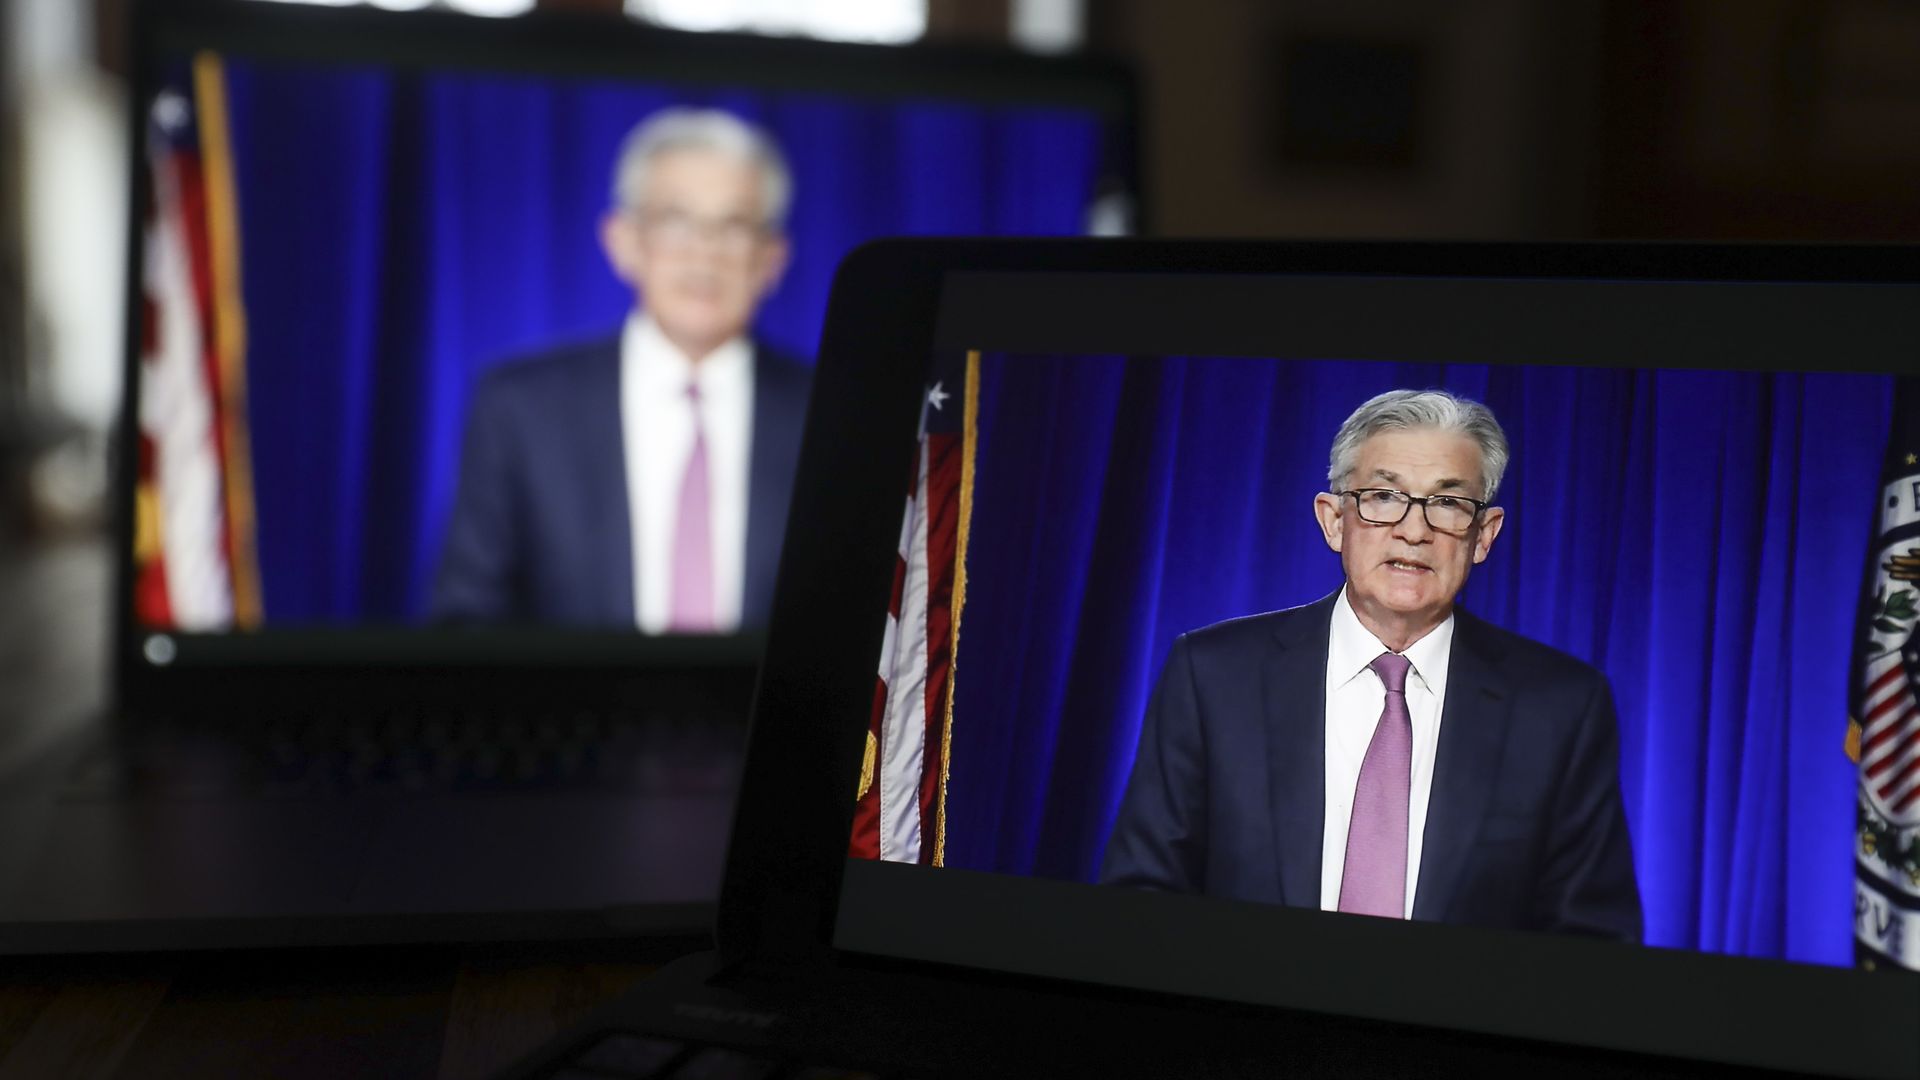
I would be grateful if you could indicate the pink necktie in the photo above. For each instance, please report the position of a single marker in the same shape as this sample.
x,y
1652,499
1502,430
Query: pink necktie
x,y
693,538
1375,879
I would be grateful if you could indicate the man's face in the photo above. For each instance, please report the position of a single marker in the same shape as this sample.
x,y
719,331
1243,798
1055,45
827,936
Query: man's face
x,y
696,249
1403,578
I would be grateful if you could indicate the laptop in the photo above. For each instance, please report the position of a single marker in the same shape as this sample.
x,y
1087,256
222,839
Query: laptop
x,y
347,707
1053,494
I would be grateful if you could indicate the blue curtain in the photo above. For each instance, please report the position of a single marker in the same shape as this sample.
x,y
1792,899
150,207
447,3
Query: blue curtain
x,y
1695,534
402,231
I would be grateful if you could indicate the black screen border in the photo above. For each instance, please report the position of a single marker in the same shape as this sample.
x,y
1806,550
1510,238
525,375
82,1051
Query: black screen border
x,y
788,863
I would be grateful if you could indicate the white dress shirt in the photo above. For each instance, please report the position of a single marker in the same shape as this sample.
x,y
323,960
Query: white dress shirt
x,y
1355,698
656,427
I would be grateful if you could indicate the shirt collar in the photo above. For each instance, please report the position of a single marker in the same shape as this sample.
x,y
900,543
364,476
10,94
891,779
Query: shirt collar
x,y
659,367
1351,647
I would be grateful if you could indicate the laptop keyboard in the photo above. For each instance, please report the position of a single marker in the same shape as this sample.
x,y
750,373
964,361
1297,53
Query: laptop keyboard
x,y
646,1057
422,752
625,751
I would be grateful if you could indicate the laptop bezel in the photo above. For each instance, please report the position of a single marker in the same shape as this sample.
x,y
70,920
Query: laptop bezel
x,y
788,858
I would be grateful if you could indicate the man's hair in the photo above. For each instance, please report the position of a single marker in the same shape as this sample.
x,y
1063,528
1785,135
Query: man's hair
x,y
1402,410
714,130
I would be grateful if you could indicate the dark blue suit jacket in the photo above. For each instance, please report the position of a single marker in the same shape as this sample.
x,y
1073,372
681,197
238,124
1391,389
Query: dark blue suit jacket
x,y
1525,827
540,528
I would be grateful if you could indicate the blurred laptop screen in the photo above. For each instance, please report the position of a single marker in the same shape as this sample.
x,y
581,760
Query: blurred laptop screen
x,y
392,297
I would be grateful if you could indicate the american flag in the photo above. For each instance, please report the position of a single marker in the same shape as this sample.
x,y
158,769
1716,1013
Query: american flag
x,y
1884,734
900,815
193,546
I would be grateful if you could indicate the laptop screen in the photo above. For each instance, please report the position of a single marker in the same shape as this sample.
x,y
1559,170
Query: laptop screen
x,y
1637,555
453,329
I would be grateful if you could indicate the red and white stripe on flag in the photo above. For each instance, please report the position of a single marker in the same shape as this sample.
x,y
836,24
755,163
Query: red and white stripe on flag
x,y
193,536
1890,736
901,807
1884,733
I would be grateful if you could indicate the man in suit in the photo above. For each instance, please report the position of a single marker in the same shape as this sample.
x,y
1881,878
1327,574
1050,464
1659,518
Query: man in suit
x,y
1382,751
643,480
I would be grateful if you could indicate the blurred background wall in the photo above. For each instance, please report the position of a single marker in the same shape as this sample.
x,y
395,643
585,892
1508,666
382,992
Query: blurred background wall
x,y
1499,119
1495,119
62,228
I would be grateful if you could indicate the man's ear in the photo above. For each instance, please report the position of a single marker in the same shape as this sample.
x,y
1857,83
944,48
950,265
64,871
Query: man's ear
x,y
1326,510
773,257
620,243
1490,521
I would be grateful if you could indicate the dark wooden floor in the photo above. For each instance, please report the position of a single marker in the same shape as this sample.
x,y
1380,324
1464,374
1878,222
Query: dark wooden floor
x,y
450,1014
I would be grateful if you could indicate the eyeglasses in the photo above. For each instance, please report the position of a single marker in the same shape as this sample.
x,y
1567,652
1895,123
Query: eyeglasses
x,y
679,230
1445,513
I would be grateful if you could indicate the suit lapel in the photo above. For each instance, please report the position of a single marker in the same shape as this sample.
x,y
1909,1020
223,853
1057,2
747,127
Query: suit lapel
x,y
1473,735
771,449
601,435
1293,695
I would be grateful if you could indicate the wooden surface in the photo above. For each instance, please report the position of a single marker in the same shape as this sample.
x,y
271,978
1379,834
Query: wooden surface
x,y
295,1014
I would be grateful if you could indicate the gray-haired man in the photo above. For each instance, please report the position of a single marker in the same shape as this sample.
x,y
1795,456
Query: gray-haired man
x,y
1382,751
642,480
